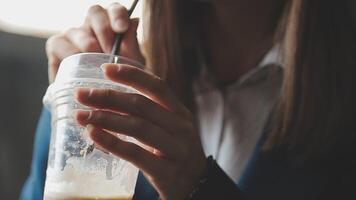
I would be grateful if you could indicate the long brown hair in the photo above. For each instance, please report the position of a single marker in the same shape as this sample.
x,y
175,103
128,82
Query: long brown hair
x,y
173,44
314,115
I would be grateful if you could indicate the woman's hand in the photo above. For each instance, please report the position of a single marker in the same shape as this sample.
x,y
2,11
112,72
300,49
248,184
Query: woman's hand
x,y
174,158
97,34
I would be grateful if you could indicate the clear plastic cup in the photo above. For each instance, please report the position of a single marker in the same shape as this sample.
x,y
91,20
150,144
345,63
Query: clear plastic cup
x,y
76,169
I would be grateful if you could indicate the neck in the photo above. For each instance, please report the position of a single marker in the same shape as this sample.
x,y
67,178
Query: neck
x,y
241,33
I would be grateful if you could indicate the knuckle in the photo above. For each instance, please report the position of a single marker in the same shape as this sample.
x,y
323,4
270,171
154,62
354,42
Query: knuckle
x,y
98,116
118,9
131,122
90,44
134,122
108,93
137,100
108,97
95,9
136,125
50,42
139,104
105,27
70,31
53,64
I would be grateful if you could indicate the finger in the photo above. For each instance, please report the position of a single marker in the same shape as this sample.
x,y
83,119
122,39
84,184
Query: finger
x,y
119,17
144,160
83,39
130,47
137,128
99,22
149,84
121,23
57,48
133,104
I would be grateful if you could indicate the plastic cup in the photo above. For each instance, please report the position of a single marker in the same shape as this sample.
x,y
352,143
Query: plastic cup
x,y
76,169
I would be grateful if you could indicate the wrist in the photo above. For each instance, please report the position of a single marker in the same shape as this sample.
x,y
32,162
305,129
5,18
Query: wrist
x,y
202,179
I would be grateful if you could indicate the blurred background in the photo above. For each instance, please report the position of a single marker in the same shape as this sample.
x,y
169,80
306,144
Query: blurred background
x,y
25,26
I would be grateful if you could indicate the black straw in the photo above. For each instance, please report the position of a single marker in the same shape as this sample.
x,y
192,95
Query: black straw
x,y
116,48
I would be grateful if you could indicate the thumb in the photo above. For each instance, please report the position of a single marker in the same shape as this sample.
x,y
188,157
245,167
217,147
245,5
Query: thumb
x,y
130,47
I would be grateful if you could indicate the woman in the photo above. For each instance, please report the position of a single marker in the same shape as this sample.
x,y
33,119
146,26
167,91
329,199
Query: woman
x,y
265,87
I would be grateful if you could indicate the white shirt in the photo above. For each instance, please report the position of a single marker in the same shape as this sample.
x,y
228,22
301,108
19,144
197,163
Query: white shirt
x,y
231,121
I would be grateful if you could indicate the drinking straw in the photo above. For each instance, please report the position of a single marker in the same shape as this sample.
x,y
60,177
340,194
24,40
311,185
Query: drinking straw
x,y
116,48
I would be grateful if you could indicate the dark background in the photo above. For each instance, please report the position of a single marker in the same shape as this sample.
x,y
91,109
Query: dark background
x,y
23,81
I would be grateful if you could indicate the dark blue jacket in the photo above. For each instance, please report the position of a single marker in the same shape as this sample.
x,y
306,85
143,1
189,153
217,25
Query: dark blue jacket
x,y
269,175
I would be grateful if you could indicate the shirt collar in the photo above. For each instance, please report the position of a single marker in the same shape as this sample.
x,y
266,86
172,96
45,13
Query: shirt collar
x,y
272,59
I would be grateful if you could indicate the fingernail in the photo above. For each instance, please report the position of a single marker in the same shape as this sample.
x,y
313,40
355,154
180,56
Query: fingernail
x,y
89,128
110,68
136,21
118,68
89,131
121,25
83,115
86,92
103,67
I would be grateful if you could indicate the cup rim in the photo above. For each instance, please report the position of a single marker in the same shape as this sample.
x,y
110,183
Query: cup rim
x,y
55,86
137,63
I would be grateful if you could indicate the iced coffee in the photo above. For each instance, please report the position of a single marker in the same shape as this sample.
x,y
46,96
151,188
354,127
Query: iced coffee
x,y
76,168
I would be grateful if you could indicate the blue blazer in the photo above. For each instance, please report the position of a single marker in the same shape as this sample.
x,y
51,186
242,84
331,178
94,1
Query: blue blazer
x,y
268,175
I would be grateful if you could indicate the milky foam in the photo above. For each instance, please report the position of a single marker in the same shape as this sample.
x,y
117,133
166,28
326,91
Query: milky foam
x,y
72,182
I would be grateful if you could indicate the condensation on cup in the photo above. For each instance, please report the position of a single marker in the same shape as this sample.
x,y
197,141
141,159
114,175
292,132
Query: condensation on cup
x,y
76,169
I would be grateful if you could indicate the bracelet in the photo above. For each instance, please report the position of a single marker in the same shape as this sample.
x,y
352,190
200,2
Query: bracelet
x,y
203,178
